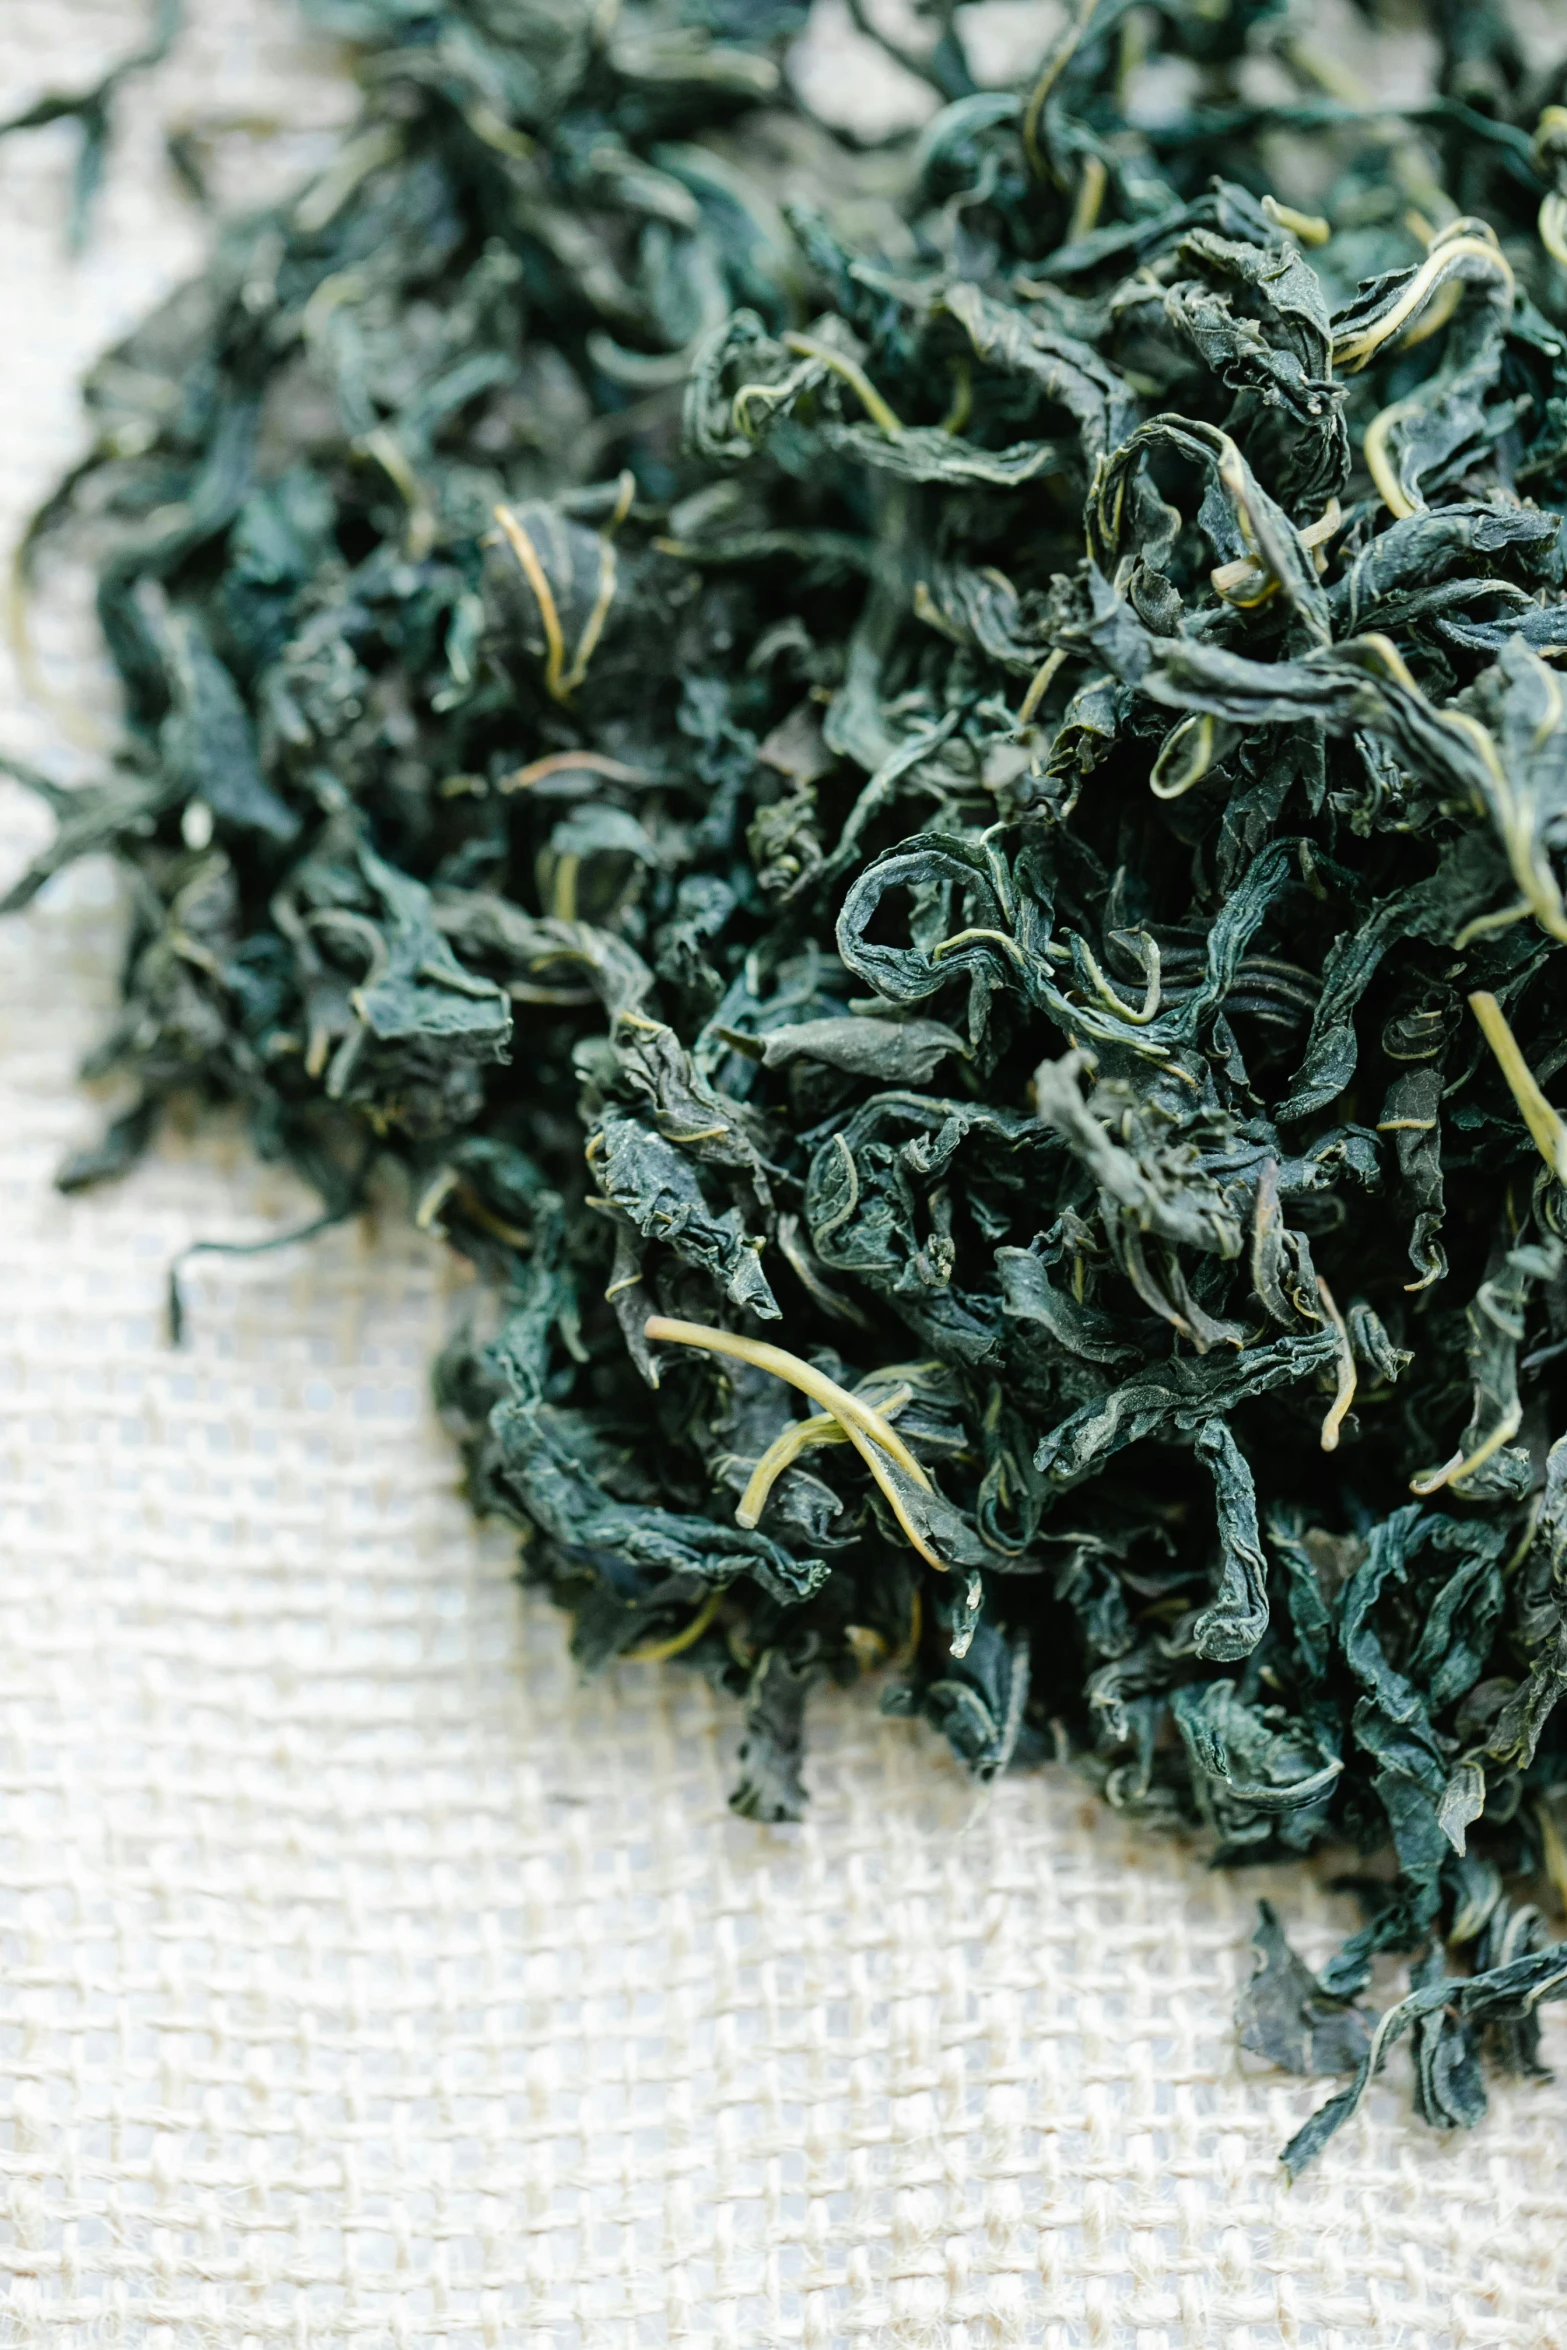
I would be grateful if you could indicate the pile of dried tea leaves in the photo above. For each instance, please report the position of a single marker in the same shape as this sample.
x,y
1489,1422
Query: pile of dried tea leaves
x,y
921,789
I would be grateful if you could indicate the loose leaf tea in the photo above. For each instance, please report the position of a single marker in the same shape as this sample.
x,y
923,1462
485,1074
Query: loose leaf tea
x,y
921,788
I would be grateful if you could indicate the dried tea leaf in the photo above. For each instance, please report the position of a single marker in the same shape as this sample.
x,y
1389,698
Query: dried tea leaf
x,y
1285,2015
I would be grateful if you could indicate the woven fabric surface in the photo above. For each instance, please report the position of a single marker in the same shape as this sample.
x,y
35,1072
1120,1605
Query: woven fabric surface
x,y
367,1979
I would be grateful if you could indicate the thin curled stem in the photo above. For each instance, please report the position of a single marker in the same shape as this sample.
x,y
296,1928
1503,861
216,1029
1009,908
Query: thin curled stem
x,y
1345,1363
873,1437
656,1652
1544,1123
786,1448
853,374
1374,449
1465,241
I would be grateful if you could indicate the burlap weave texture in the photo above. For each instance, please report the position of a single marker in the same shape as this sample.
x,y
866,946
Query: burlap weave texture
x,y
364,1978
